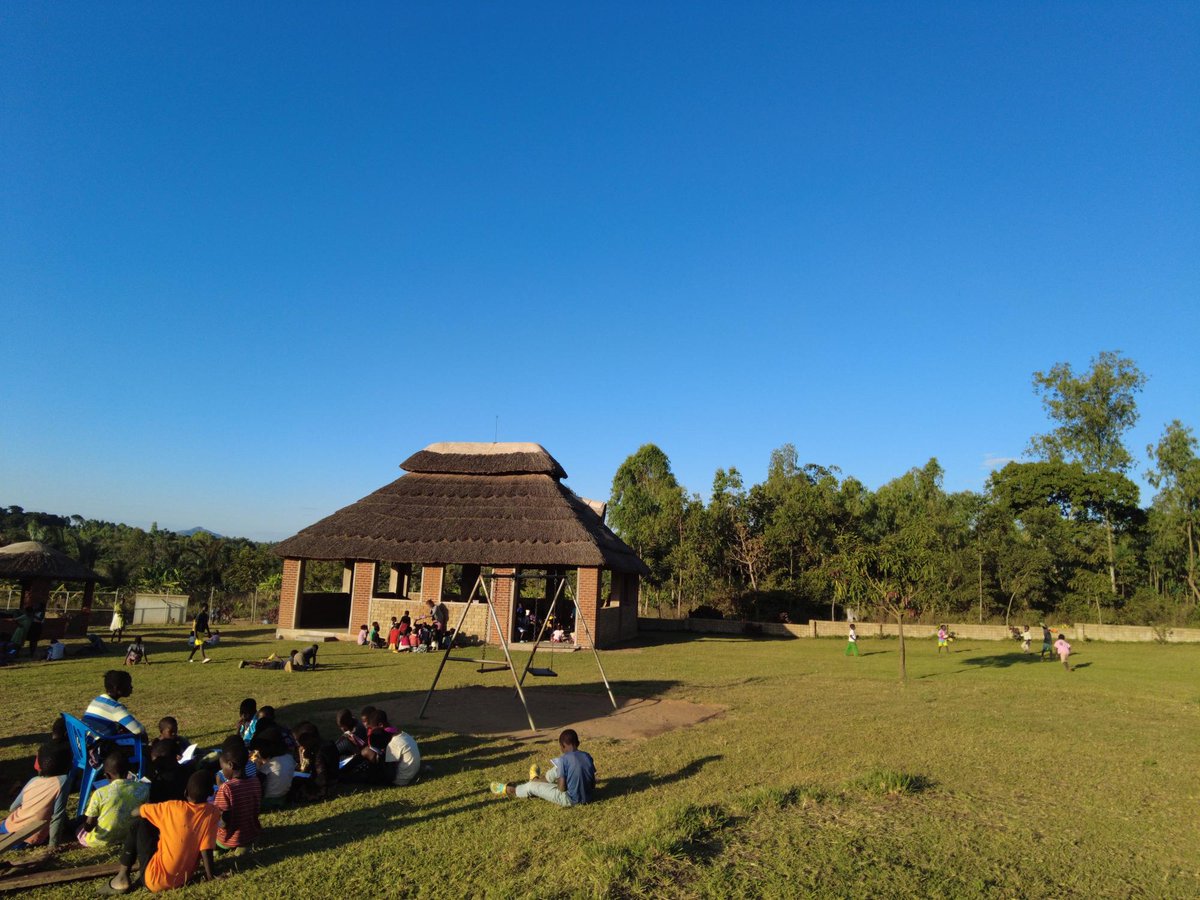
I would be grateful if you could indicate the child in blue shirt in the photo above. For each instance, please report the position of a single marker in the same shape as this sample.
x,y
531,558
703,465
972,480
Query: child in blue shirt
x,y
570,781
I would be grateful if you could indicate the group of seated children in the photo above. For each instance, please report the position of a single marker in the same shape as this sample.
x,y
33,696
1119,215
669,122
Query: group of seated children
x,y
261,767
404,636
560,630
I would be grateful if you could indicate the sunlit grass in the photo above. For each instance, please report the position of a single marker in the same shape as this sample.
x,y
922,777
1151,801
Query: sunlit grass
x,y
989,774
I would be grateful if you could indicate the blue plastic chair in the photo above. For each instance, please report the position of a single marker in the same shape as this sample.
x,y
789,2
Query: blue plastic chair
x,y
80,737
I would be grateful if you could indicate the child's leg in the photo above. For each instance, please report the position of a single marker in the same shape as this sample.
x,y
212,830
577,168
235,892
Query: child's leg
x,y
193,653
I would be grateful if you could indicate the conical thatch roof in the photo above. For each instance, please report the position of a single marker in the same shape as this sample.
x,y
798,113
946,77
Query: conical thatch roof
x,y
29,559
482,504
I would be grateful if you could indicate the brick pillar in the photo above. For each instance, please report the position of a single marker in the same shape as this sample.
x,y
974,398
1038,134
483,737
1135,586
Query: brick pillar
x,y
502,590
589,602
362,586
289,592
431,582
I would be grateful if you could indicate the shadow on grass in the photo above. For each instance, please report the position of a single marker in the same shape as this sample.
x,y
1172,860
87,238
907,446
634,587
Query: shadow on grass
x,y
1002,660
632,784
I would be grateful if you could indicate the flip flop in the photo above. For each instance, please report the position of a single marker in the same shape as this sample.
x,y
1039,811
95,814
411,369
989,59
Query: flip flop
x,y
107,888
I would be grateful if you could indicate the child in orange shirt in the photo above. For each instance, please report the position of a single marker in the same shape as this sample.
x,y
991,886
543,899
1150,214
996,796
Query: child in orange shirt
x,y
168,838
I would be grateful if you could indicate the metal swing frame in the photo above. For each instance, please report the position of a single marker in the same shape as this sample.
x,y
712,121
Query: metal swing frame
x,y
480,588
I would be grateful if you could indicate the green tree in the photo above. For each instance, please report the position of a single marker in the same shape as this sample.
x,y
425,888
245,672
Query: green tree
x,y
646,509
1092,412
1176,477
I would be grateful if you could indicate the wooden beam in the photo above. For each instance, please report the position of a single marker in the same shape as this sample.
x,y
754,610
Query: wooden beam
x,y
58,876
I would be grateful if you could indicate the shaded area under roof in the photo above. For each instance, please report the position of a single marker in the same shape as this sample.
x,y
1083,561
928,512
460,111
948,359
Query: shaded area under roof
x,y
479,518
30,559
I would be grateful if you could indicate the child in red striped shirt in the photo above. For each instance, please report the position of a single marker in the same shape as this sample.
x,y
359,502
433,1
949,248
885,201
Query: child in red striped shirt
x,y
239,800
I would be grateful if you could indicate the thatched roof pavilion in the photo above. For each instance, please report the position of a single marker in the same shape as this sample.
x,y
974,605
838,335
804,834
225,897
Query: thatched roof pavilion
x,y
471,505
37,566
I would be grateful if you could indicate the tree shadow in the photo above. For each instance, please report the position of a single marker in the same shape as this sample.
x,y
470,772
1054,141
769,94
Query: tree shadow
x,y
1002,660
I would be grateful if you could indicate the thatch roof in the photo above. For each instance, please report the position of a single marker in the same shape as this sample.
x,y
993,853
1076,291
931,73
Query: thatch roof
x,y
29,559
476,504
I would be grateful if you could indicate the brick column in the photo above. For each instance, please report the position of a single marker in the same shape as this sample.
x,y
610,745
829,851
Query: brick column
x,y
502,590
362,586
589,602
289,592
431,583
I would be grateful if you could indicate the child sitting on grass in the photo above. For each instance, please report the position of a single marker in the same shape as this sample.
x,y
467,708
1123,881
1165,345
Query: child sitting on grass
x,y
247,720
275,763
238,798
136,653
570,780
393,756
168,730
44,798
167,838
109,812
168,778
318,761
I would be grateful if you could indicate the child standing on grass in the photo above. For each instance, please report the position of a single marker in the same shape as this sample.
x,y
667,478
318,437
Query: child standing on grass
x,y
943,639
109,813
1047,642
570,780
852,644
1026,638
239,799
1063,649
168,838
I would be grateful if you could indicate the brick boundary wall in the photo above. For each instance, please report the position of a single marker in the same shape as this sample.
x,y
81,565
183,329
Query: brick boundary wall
x,y
817,628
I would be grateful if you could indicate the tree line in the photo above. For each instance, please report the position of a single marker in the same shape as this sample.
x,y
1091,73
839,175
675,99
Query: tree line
x,y
132,559
1061,534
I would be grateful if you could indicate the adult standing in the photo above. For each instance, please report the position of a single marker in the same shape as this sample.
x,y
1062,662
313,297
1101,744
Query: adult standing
x,y
37,619
117,625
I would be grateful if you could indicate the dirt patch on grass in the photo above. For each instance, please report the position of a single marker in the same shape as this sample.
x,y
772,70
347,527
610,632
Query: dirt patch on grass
x,y
497,711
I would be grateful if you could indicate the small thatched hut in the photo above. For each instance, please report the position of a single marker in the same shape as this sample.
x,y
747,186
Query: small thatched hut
x,y
462,510
38,566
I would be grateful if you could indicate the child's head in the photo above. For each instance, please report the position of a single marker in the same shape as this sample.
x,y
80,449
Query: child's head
x,y
568,740
58,731
168,727
116,765
365,715
375,625
267,713
377,719
137,639
345,720
199,786
118,683
234,757
54,760
163,748
248,710
362,627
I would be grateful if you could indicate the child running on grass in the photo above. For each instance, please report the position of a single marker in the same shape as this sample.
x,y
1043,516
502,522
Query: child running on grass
x,y
943,639
852,645
1063,649
109,813
168,838
570,780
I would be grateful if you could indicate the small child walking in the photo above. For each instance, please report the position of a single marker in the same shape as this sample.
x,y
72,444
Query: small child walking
x,y
852,643
943,639
1026,638
1063,649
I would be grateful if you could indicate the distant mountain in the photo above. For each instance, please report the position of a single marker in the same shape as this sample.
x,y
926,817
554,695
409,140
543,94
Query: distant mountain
x,y
199,530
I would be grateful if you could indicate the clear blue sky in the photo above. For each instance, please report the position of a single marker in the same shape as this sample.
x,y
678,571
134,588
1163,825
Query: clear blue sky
x,y
254,255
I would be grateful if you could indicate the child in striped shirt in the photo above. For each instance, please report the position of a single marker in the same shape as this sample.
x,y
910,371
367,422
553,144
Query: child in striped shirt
x,y
106,714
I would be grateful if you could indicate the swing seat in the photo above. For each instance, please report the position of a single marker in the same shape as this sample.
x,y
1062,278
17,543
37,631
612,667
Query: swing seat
x,y
493,667
542,673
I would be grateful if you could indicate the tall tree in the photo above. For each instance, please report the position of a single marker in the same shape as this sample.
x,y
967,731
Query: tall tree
x,y
1176,476
1093,410
646,510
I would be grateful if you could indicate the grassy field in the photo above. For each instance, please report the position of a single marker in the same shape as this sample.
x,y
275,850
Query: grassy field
x,y
988,774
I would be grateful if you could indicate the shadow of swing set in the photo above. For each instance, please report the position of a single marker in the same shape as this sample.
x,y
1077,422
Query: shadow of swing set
x,y
480,593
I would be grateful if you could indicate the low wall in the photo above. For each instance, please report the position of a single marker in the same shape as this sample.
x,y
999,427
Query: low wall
x,y
817,629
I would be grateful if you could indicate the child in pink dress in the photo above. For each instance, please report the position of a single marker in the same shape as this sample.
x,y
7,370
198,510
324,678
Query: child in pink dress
x,y
1063,649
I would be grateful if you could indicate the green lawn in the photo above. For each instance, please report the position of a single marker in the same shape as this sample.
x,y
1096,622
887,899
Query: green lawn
x,y
986,775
